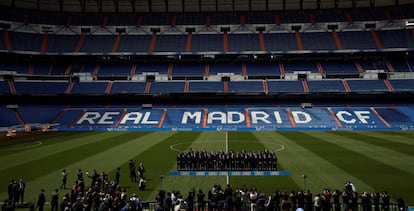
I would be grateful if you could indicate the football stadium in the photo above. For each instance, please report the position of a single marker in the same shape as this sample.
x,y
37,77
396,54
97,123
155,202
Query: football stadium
x,y
302,105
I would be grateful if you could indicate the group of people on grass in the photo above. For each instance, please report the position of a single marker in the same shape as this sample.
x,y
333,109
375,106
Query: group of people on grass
x,y
226,160
103,194
240,199
15,190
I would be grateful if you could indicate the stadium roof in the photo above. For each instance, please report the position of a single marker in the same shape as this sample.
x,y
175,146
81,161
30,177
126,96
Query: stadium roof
x,y
192,5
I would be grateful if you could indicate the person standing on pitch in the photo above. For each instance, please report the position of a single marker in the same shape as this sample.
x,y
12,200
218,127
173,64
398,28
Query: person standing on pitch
x,y
64,179
54,201
132,173
117,175
141,170
21,188
41,200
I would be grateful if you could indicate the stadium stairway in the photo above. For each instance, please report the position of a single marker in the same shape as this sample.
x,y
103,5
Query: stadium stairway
x,y
188,42
108,88
152,43
389,86
116,43
68,69
346,86
337,41
359,67
225,42
11,86
44,43
79,45
19,117
96,69
70,87
299,41
305,86
7,41
376,39
147,87
133,69
262,42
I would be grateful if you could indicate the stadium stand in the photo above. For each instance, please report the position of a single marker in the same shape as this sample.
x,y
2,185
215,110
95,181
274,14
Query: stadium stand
x,y
227,57
270,65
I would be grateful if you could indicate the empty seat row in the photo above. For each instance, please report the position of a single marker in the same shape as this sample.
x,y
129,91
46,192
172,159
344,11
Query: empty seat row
x,y
247,86
231,42
200,69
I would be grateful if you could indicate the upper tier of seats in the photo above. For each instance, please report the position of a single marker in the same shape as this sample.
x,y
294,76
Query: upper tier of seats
x,y
212,18
283,42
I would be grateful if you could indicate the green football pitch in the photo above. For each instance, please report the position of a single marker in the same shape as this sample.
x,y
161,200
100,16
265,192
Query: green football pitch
x,y
372,160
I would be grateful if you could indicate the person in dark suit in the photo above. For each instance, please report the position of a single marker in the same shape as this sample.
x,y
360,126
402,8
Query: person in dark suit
x,y
41,200
21,188
118,175
54,201
132,173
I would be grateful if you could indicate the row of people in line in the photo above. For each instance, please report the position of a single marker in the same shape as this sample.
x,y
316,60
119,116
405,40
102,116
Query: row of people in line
x,y
230,160
227,198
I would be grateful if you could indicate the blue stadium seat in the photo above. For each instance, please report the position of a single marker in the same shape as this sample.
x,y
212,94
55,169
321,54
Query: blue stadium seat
x,y
396,38
334,67
402,85
246,86
115,69
4,87
61,43
280,41
261,69
292,66
134,43
98,43
26,41
367,86
206,86
189,69
167,87
161,68
318,41
8,118
58,69
401,66
42,68
243,42
170,43
41,87
37,114
215,68
89,88
19,67
284,86
207,42
356,40
325,86
119,87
